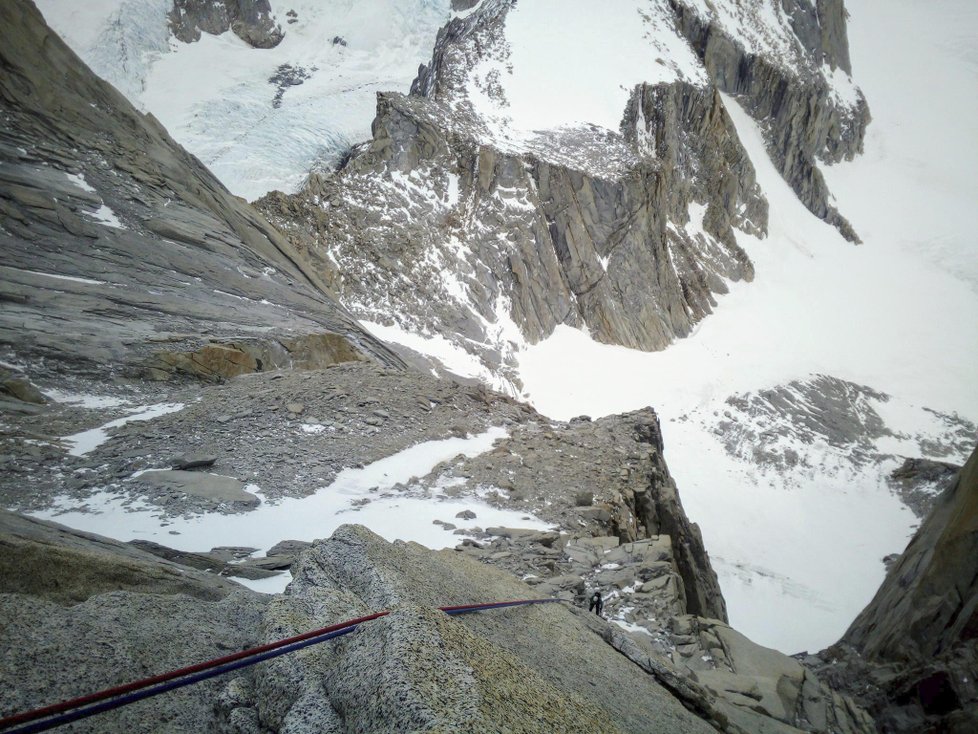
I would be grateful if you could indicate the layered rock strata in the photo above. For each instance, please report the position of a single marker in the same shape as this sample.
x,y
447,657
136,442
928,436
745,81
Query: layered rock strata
x,y
116,236
790,94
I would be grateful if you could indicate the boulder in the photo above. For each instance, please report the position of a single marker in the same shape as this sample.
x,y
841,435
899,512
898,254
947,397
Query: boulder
x,y
50,561
194,461
21,389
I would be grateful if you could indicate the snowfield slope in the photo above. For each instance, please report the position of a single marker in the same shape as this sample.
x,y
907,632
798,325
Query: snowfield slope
x,y
260,118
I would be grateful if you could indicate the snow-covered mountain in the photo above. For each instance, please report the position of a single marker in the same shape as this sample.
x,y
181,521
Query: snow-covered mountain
x,y
568,179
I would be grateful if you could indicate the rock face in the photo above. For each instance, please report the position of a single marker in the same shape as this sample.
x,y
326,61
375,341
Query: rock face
x,y
915,644
803,117
530,239
250,20
114,234
535,669
629,234
828,427
110,614
920,481
619,460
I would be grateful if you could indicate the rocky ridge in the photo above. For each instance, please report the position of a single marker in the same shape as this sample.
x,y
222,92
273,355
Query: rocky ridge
x,y
828,427
792,92
628,234
541,668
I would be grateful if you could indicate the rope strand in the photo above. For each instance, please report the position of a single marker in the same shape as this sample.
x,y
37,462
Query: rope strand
x,y
123,695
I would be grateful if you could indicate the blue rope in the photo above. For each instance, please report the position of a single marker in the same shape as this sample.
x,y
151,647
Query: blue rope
x,y
103,706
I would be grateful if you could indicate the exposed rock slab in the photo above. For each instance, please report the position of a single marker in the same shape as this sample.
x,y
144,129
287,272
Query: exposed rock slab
x,y
54,562
172,262
213,487
356,570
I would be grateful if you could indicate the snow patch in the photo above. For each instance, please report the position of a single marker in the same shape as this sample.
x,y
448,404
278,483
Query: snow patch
x,y
366,496
57,276
87,441
453,357
80,182
84,400
104,215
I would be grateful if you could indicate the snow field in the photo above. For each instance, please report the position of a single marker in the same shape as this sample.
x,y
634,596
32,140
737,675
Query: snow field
x,y
600,51
914,187
225,116
365,496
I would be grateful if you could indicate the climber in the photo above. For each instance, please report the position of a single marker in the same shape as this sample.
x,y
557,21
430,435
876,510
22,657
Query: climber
x,y
596,604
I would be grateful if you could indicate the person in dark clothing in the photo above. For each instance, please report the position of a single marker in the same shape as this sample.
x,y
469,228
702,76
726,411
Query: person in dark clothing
x,y
596,604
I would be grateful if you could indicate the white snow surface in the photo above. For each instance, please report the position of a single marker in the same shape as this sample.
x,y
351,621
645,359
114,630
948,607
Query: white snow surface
x,y
214,96
365,496
85,400
800,555
105,215
601,51
922,147
57,276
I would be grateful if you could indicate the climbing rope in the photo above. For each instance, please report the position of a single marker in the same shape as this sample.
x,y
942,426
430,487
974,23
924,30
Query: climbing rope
x,y
123,695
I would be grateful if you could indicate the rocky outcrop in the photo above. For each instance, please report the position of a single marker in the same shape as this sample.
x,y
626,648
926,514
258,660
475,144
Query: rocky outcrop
x,y
16,387
53,562
929,602
916,643
629,494
110,613
251,20
826,426
634,252
740,686
113,234
920,481
214,362
803,118
551,667
543,666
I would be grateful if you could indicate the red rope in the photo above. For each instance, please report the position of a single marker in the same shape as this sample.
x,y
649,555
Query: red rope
x,y
57,708
120,690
